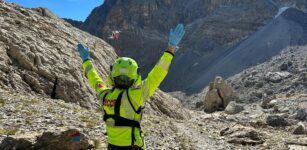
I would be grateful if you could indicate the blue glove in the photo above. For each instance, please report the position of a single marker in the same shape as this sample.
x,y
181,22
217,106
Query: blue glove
x,y
84,52
175,36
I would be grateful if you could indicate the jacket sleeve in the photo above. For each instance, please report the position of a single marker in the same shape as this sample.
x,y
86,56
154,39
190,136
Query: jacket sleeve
x,y
93,78
156,75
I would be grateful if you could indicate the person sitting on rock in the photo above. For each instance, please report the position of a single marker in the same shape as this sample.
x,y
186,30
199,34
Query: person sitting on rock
x,y
123,98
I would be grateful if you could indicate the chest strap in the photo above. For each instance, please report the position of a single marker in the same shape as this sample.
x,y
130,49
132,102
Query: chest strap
x,y
120,121
136,111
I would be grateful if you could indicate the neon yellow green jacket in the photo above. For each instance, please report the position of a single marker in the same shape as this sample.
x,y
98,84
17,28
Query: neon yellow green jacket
x,y
121,136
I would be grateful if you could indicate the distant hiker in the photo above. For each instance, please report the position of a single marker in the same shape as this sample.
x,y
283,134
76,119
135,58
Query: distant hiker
x,y
125,94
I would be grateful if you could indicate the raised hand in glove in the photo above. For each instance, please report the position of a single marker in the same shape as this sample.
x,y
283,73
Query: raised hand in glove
x,y
175,37
84,52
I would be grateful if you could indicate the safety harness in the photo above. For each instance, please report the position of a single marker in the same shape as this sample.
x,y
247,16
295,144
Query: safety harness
x,y
121,121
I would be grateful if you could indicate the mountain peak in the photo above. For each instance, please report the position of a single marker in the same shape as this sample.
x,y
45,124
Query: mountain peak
x,y
295,15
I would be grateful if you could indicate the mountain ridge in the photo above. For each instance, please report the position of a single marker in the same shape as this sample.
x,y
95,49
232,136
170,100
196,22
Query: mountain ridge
x,y
39,56
261,46
210,32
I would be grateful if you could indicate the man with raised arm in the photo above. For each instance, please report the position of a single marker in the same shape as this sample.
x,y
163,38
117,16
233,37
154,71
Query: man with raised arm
x,y
125,93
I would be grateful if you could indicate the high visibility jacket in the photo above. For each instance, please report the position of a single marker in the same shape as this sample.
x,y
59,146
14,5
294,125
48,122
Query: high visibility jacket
x,y
130,101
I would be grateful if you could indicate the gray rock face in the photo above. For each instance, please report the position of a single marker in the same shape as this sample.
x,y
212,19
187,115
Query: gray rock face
x,y
38,55
211,31
163,104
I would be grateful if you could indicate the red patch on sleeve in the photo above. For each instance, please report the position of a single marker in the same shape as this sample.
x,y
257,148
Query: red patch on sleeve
x,y
100,85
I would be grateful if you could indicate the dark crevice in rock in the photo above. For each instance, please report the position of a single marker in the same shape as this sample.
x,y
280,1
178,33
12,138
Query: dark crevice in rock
x,y
11,83
221,107
53,93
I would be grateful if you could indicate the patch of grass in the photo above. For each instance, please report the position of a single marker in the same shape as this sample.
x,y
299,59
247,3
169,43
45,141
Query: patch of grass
x,y
29,113
18,107
49,109
28,122
31,102
90,123
8,131
32,112
182,139
34,101
97,143
184,143
173,127
2,102
63,105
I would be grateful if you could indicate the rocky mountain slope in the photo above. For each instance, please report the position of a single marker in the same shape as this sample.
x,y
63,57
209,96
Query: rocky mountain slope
x,y
42,84
287,29
271,105
282,76
28,116
38,56
213,27
24,116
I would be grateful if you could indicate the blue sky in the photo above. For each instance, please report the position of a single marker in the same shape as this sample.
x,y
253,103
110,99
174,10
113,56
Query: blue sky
x,y
74,9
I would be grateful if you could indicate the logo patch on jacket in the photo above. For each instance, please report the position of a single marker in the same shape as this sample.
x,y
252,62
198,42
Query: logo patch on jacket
x,y
109,103
100,85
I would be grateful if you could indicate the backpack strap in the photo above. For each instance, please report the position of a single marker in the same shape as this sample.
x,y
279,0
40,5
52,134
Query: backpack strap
x,y
120,121
136,111
117,104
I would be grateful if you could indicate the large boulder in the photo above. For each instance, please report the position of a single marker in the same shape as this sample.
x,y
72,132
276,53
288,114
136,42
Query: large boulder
x,y
276,121
301,114
10,143
70,139
233,108
300,128
218,96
